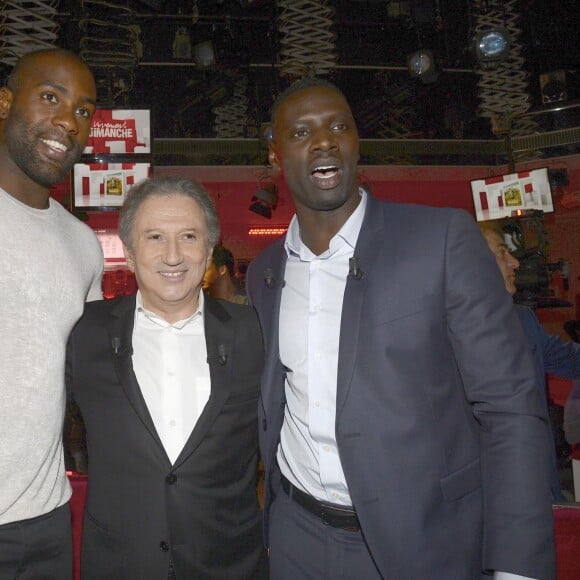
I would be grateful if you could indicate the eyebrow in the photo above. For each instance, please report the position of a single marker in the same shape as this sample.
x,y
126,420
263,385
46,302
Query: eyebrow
x,y
62,89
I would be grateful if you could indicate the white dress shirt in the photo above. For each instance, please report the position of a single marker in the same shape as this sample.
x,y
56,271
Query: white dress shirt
x,y
310,314
170,363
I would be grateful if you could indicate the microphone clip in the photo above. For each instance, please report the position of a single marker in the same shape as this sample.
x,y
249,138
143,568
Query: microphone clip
x,y
222,356
354,270
116,345
269,279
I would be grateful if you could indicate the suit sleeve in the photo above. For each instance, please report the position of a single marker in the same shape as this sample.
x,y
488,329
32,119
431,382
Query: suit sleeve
x,y
497,369
561,358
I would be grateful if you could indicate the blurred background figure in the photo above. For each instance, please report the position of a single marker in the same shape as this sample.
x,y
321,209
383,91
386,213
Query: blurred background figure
x,y
551,353
219,280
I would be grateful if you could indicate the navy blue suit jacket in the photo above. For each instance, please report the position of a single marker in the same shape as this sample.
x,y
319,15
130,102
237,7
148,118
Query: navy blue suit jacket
x,y
438,418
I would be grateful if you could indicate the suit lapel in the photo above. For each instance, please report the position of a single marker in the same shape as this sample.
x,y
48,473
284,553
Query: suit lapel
x,y
368,244
219,338
120,329
269,303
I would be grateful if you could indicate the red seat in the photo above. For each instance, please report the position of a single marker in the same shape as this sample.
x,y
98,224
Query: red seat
x,y
558,389
567,526
78,482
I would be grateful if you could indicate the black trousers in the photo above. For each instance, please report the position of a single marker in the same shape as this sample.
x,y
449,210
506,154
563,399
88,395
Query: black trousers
x,y
39,548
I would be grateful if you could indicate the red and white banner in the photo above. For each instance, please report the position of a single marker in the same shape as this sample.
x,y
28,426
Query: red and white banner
x,y
106,184
120,131
507,195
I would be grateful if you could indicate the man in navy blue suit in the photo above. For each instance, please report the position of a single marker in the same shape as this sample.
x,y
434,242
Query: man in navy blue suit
x,y
551,353
402,433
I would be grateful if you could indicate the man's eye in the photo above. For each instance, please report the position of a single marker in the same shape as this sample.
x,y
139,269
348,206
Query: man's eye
x,y
339,127
84,113
300,133
49,97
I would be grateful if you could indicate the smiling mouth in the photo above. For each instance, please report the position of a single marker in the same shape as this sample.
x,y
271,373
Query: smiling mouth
x,y
172,275
56,145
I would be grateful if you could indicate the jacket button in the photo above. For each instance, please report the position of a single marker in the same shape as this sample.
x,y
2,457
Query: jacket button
x,y
164,546
171,479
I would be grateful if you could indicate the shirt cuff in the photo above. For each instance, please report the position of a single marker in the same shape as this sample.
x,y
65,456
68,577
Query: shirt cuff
x,y
507,576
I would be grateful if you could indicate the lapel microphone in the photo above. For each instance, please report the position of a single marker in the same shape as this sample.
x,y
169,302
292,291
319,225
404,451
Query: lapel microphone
x,y
222,356
269,279
354,270
116,344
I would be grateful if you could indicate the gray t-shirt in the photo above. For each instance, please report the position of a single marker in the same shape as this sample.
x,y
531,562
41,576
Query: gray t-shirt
x,y
51,263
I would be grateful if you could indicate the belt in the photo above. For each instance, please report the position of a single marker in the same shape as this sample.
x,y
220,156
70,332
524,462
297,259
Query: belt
x,y
331,515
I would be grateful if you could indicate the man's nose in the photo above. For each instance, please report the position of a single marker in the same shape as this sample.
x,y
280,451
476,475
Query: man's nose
x,y
67,120
514,263
173,254
324,139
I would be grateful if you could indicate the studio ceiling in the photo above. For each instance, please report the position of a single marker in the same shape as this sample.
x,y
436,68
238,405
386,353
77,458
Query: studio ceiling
x,y
140,52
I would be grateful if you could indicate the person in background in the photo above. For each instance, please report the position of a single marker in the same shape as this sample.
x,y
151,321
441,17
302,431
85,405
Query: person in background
x,y
167,381
571,421
219,279
400,426
51,264
551,353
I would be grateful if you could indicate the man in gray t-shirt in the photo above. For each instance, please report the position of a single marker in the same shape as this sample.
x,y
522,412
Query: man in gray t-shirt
x,y
51,264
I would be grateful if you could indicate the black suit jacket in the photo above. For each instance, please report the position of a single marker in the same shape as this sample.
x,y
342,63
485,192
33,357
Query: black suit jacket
x,y
439,423
141,511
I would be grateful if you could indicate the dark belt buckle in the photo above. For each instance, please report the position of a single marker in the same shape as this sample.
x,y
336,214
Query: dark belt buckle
x,y
345,521
324,516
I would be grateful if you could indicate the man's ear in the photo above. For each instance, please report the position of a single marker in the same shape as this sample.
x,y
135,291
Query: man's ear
x,y
5,102
276,170
222,270
129,258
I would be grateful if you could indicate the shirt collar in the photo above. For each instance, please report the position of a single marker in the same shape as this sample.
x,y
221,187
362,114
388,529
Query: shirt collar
x,y
141,313
348,232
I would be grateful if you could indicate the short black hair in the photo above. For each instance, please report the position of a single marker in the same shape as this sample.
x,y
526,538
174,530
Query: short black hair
x,y
221,256
299,85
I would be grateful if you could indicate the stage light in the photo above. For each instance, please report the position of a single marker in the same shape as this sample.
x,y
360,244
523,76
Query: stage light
x,y
265,200
204,54
491,45
421,65
267,230
553,87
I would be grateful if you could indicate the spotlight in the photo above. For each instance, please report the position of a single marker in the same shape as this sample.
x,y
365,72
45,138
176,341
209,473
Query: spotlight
x,y
265,200
553,87
491,45
204,54
421,65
